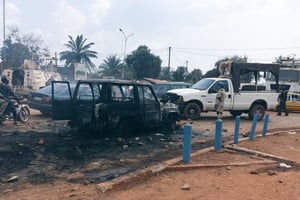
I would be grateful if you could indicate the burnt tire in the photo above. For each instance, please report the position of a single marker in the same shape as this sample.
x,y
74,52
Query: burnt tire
x,y
257,109
126,128
24,114
192,111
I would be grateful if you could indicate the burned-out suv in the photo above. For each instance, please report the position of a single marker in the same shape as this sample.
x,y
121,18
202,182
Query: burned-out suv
x,y
113,106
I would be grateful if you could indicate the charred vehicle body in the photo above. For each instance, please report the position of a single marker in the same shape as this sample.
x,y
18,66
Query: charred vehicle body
x,y
113,106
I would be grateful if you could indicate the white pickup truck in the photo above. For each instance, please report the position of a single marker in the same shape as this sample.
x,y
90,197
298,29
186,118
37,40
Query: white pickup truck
x,y
248,98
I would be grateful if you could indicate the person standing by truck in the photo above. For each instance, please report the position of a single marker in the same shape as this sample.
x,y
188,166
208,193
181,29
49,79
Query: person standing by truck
x,y
220,98
282,103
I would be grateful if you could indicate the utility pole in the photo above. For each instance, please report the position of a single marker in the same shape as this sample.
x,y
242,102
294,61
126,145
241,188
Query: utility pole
x,y
186,65
186,69
3,64
4,52
169,65
125,44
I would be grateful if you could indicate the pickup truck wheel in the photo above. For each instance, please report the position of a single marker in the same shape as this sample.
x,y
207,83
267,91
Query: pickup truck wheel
x,y
235,113
257,109
192,111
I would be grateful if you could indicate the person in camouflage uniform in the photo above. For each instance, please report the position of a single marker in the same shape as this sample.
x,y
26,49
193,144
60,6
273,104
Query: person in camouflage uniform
x,y
220,99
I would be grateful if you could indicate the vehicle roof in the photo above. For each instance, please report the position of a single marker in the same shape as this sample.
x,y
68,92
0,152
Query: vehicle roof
x,y
172,83
238,68
112,81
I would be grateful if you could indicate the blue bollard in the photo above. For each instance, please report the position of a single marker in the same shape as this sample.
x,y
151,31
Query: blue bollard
x,y
251,136
187,135
266,121
218,135
236,130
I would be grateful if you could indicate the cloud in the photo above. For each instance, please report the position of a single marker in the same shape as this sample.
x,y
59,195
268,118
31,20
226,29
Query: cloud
x,y
199,31
98,9
67,19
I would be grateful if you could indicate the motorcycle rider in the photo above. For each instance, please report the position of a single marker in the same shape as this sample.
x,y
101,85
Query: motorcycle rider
x,y
6,94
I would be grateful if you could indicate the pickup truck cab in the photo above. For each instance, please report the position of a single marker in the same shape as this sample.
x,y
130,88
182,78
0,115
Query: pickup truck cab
x,y
113,106
248,98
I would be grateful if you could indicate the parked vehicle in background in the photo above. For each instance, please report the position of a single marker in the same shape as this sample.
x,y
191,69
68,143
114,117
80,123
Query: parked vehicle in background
x,y
252,98
113,106
293,102
41,99
161,88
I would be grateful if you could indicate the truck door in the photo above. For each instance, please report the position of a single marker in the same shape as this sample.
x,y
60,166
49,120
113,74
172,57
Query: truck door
x,y
150,107
212,93
62,105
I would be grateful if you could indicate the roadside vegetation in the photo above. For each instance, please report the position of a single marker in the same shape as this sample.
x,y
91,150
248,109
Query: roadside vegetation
x,y
137,64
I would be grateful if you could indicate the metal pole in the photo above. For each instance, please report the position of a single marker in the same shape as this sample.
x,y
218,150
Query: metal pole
x,y
169,63
124,52
251,136
266,121
4,50
218,135
237,130
187,143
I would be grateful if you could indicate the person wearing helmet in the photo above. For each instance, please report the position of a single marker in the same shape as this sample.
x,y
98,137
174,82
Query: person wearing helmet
x,y
6,94
220,98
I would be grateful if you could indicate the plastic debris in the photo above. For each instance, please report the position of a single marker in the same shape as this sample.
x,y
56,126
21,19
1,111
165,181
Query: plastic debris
x,y
284,165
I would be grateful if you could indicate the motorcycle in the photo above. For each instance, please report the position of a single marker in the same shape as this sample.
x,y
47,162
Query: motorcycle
x,y
22,110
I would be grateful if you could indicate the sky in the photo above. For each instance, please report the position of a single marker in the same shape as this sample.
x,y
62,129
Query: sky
x,y
197,32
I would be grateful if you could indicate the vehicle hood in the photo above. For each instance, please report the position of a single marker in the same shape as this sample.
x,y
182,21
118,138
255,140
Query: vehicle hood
x,y
186,91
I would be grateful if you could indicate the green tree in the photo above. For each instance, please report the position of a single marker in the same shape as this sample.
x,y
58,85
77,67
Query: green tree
x,y
15,53
164,74
111,66
211,73
144,63
180,74
235,58
79,52
194,76
20,46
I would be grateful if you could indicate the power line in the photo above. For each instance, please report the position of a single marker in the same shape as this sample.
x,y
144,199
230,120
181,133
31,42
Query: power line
x,y
240,49
196,53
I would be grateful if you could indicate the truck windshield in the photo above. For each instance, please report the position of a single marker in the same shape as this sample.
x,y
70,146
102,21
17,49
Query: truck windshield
x,y
203,84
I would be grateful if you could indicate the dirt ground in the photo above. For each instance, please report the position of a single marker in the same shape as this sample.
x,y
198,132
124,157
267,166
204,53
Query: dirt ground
x,y
265,168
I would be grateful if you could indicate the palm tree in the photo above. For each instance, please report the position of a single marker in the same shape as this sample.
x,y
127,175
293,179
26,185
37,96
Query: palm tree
x,y
111,66
79,52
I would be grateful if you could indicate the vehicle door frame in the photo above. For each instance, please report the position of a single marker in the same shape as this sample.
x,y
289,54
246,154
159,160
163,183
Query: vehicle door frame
x,y
84,109
62,109
212,93
150,110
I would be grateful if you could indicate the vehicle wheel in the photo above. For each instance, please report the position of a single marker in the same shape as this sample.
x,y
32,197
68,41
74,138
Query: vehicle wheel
x,y
24,114
192,111
235,113
257,109
126,128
